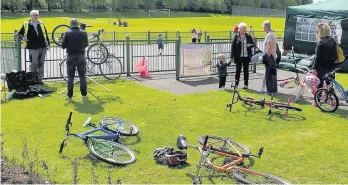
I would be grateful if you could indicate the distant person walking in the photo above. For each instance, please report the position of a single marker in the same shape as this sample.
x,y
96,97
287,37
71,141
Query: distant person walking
x,y
251,32
241,53
235,31
34,33
160,44
194,35
199,35
75,41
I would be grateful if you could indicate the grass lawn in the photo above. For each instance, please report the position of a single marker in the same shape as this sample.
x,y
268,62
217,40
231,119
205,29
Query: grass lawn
x,y
184,23
308,147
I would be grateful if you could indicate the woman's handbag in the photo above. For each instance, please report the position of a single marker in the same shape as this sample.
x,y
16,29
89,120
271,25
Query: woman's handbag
x,y
340,55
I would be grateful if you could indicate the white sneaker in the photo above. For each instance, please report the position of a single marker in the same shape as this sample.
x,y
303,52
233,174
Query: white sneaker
x,y
84,98
262,90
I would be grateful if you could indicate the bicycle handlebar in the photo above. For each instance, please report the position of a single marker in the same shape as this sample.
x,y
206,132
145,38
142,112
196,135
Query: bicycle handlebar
x,y
68,122
87,122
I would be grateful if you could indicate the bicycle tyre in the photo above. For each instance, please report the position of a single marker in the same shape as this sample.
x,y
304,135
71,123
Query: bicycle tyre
x,y
105,65
63,71
101,155
241,146
283,106
133,131
328,92
244,177
54,31
105,54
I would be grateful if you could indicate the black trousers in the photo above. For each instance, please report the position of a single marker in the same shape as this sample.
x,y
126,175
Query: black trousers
x,y
222,82
242,62
321,73
194,40
76,62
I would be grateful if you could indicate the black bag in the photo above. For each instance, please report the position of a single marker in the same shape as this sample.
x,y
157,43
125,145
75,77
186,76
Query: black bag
x,y
20,79
22,82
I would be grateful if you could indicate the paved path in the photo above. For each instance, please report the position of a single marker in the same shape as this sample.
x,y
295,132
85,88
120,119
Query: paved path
x,y
166,82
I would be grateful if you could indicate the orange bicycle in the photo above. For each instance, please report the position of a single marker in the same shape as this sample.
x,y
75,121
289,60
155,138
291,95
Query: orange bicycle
x,y
233,166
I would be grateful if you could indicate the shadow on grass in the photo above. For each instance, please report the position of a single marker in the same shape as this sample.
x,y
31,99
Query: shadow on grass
x,y
93,107
211,177
129,141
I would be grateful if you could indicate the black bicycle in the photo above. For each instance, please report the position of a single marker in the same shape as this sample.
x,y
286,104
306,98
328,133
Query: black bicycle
x,y
97,53
250,101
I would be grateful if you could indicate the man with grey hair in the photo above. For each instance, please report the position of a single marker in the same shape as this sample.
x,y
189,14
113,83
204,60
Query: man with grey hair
x,y
34,34
270,49
75,41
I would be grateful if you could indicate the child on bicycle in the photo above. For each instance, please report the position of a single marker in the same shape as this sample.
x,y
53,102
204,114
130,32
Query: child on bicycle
x,y
222,70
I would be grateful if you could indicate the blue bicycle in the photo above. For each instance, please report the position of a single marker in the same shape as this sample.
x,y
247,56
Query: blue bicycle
x,y
326,98
107,147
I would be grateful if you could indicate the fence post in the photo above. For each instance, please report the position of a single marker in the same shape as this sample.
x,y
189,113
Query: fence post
x,y
18,54
254,65
177,57
128,54
166,37
149,37
205,36
177,34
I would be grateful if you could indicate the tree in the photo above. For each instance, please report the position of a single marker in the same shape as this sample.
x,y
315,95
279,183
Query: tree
x,y
257,3
149,4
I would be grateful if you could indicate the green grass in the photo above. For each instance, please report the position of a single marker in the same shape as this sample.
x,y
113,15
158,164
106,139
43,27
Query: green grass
x,y
308,147
216,25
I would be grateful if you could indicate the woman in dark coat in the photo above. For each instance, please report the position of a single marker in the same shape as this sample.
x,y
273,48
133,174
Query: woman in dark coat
x,y
241,53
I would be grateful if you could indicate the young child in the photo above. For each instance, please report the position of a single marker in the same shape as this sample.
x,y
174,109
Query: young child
x,y
222,71
160,44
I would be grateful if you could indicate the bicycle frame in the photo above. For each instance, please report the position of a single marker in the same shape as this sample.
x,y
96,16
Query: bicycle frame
x,y
208,149
110,134
335,85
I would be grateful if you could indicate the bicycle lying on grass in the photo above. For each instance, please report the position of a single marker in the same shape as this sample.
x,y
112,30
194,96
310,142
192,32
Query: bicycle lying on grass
x,y
250,101
107,147
328,95
97,53
234,155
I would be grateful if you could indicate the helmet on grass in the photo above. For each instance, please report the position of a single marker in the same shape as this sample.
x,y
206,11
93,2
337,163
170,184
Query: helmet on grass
x,y
168,155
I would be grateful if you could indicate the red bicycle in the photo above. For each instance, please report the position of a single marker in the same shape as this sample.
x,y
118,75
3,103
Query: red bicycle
x,y
250,101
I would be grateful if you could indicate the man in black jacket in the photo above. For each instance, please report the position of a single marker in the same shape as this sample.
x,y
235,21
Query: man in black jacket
x,y
34,33
75,41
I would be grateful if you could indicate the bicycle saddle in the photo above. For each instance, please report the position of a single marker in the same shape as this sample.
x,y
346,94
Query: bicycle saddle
x,y
262,102
181,142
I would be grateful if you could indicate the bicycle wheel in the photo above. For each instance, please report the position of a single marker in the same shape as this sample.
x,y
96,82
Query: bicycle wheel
x,y
111,69
286,107
111,152
97,53
58,33
249,176
64,71
229,146
127,128
299,92
328,97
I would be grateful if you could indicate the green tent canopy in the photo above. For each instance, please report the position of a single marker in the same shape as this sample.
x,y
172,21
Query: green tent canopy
x,y
301,22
